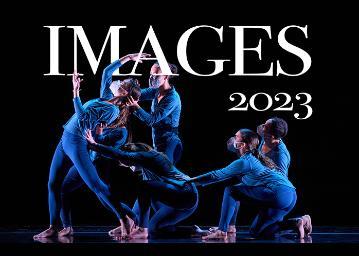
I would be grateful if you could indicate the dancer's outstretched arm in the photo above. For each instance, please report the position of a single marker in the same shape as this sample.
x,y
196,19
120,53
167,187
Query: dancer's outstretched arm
x,y
116,138
106,80
167,106
148,94
238,167
130,157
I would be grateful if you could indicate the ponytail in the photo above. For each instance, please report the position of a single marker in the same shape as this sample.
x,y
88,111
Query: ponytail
x,y
263,159
133,89
252,141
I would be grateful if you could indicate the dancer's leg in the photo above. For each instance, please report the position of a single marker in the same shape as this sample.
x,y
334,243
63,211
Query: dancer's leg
x,y
76,148
72,182
268,220
59,166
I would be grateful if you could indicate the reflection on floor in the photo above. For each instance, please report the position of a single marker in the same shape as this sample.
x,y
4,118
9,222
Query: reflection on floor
x,y
98,235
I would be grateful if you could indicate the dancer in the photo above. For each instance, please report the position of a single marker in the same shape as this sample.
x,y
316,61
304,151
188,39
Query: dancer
x,y
260,183
72,149
164,117
116,137
272,146
162,183
165,112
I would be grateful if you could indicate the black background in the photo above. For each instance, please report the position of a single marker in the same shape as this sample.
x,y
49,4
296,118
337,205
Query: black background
x,y
324,162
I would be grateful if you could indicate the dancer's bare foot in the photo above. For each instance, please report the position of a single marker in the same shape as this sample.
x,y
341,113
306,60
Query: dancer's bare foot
x,y
68,231
197,231
231,229
51,231
115,231
127,225
300,228
307,224
232,237
139,233
216,235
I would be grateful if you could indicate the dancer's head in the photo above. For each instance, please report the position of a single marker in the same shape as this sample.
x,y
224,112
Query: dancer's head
x,y
273,129
246,140
124,87
129,87
136,147
156,81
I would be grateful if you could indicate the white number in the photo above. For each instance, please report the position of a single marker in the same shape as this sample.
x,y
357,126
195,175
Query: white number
x,y
287,101
309,108
286,106
269,104
243,99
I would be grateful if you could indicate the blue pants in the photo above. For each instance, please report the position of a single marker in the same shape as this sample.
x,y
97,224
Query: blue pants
x,y
72,150
275,201
233,220
171,145
171,204
72,182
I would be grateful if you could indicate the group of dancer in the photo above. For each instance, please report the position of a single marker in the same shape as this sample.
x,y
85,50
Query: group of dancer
x,y
166,195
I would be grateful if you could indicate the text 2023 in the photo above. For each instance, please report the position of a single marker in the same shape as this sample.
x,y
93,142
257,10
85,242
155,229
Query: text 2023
x,y
284,103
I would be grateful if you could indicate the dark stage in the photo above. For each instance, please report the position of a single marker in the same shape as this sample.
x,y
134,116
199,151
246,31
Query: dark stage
x,y
323,146
327,240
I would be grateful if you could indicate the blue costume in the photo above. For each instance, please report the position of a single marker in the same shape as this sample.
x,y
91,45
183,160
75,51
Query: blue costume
x,y
164,120
268,188
72,150
163,183
280,156
112,137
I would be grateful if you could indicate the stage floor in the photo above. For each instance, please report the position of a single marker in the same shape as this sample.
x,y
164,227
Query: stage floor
x,y
98,234
328,240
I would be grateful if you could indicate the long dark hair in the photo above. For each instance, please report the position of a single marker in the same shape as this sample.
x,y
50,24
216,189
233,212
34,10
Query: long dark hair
x,y
251,139
132,86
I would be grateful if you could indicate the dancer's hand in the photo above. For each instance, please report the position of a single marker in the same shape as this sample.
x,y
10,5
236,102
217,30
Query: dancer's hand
x,y
99,128
132,103
134,57
89,138
76,81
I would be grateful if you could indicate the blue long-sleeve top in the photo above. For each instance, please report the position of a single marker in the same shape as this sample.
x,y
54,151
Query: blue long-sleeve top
x,y
114,137
95,111
250,170
155,165
280,156
106,80
164,115
91,114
